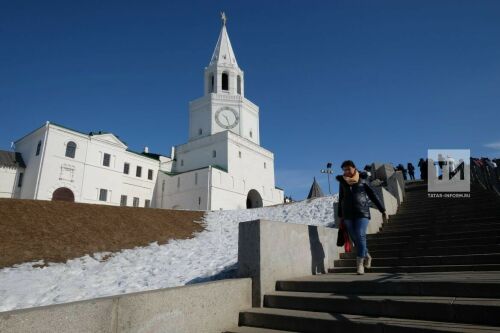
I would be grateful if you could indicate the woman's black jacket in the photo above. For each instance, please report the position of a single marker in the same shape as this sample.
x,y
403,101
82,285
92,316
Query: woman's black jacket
x,y
354,201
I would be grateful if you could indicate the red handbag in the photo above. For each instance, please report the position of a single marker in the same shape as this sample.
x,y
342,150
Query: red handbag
x,y
345,236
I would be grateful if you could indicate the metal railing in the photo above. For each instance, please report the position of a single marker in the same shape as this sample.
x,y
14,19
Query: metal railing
x,y
484,172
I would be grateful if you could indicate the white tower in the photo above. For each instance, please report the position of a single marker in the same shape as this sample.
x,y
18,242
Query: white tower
x,y
222,166
223,106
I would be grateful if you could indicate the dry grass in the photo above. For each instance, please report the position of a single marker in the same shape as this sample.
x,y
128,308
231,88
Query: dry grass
x,y
57,231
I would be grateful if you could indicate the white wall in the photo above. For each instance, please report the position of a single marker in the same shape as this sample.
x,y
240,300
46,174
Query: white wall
x,y
27,147
8,182
85,174
202,115
229,189
201,307
198,153
187,190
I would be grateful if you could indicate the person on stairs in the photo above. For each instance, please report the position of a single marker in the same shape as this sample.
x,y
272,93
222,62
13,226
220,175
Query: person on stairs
x,y
355,194
411,170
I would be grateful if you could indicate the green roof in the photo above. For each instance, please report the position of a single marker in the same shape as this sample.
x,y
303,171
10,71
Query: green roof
x,y
215,166
147,155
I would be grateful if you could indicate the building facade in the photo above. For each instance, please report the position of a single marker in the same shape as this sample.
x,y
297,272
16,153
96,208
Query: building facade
x,y
64,164
222,166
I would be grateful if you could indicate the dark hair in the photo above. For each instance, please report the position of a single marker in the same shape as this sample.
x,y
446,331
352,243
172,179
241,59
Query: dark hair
x,y
347,163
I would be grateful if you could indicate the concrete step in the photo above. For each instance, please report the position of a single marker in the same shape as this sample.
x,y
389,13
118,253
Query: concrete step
x,y
419,269
429,238
461,259
483,311
437,217
403,244
426,251
429,229
312,322
248,329
453,284
452,225
441,209
429,234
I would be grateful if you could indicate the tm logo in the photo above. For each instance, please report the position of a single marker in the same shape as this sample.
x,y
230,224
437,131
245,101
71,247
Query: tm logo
x,y
448,172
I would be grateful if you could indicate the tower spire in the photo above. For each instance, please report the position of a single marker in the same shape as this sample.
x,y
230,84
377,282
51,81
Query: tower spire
x,y
223,52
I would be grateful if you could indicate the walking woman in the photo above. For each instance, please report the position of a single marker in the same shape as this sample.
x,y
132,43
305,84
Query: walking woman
x,y
355,194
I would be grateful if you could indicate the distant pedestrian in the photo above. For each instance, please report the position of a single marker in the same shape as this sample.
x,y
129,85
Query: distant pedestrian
x,y
411,170
355,194
401,168
422,164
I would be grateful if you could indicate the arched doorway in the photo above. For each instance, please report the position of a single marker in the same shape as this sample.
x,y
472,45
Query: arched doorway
x,y
63,194
254,200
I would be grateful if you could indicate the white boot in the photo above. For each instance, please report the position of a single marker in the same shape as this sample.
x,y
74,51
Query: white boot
x,y
368,261
359,264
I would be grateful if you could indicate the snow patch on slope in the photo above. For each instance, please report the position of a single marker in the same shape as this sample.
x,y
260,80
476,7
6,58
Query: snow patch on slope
x,y
211,254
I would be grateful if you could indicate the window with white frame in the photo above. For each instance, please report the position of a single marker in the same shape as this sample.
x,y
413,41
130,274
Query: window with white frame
x,y
106,159
103,195
70,149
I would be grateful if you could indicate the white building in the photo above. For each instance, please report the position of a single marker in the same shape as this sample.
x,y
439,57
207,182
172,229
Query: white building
x,y
11,174
64,164
222,166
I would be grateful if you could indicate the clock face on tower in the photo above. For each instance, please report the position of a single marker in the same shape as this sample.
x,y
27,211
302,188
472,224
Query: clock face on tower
x,y
227,117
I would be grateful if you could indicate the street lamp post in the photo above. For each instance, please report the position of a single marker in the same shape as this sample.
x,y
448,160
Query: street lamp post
x,y
328,172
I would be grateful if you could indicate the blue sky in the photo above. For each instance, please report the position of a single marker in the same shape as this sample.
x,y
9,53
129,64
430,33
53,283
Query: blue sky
x,y
336,80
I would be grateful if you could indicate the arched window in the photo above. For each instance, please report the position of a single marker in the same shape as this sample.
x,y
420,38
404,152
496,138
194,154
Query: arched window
x,y
71,149
238,86
212,83
225,81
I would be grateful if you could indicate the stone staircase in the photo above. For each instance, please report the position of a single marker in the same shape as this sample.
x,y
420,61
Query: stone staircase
x,y
436,268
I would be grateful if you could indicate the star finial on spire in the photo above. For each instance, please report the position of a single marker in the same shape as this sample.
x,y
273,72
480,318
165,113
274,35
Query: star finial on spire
x,y
223,18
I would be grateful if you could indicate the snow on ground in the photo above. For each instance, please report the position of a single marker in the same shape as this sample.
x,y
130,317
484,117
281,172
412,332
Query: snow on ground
x,y
211,254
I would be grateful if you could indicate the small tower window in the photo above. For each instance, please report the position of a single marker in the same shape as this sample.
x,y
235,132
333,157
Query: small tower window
x,y
214,153
200,131
182,162
238,86
239,154
265,165
70,149
251,134
225,81
38,147
20,179
212,83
